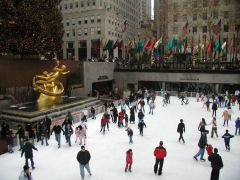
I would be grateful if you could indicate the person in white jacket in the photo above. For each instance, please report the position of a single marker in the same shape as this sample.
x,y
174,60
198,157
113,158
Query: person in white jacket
x,y
25,174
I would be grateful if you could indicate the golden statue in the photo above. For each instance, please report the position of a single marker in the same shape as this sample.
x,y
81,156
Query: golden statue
x,y
48,86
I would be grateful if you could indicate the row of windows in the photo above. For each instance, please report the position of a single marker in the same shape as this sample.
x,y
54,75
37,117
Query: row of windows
x,y
83,20
204,29
203,3
84,31
76,5
204,16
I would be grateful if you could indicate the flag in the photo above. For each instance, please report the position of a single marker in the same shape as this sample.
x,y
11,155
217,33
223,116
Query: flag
x,y
157,43
143,42
217,28
213,44
218,46
224,44
124,25
185,45
170,44
192,46
146,43
234,44
151,46
179,47
115,44
185,30
208,46
109,44
96,46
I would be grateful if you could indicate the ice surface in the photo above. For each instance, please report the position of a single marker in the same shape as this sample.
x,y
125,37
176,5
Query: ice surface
x,y
108,152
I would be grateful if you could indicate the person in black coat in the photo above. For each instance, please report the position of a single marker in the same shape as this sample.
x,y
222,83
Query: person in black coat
x,y
20,134
181,129
93,113
202,144
48,122
214,108
83,158
115,114
31,133
216,163
132,115
5,130
9,139
57,130
140,116
140,127
27,149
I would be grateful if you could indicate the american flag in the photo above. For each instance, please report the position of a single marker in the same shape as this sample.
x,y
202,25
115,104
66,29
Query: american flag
x,y
217,28
124,25
185,30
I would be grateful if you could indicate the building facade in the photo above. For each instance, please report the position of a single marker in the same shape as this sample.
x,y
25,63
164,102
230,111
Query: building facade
x,y
90,24
201,16
145,10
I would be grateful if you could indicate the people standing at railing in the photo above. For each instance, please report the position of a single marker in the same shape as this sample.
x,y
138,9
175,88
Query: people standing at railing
x,y
47,122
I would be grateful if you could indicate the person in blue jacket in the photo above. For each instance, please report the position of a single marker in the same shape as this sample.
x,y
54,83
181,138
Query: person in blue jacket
x,y
227,138
237,125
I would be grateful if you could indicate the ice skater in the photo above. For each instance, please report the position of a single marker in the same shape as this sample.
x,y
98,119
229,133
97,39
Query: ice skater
x,y
214,127
130,134
216,163
160,153
227,138
225,116
57,130
141,125
83,158
129,155
180,130
201,144
27,149
68,134
237,126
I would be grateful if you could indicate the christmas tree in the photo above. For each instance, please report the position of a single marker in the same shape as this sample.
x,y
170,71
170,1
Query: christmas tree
x,y
31,27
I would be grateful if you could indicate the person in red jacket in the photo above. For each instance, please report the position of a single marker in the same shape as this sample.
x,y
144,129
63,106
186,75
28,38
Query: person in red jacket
x,y
121,117
104,121
128,160
160,153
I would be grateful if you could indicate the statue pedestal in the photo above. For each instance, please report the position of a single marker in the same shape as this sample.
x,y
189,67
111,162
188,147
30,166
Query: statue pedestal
x,y
45,100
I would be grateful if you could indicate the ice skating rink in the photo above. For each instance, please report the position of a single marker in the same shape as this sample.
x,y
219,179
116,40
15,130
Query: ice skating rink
x,y
108,152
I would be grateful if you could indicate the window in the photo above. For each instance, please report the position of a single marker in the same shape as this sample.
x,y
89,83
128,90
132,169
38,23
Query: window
x,y
215,15
226,2
185,3
109,32
67,33
60,7
93,3
85,20
109,20
71,6
92,30
175,30
73,32
175,18
82,4
226,14
194,4
205,3
98,30
92,19
67,22
112,33
99,19
194,29
225,28
194,17
184,17
79,20
65,6
85,32
73,22
175,5
88,3
79,32
204,29
204,16
76,4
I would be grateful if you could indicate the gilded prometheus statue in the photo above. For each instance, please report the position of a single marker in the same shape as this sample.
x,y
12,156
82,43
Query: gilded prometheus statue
x,y
48,86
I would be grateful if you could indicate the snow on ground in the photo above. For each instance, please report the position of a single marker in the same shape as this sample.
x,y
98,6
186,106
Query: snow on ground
x,y
108,151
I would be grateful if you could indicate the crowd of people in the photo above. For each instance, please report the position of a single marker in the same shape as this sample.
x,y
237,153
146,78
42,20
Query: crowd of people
x,y
135,103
